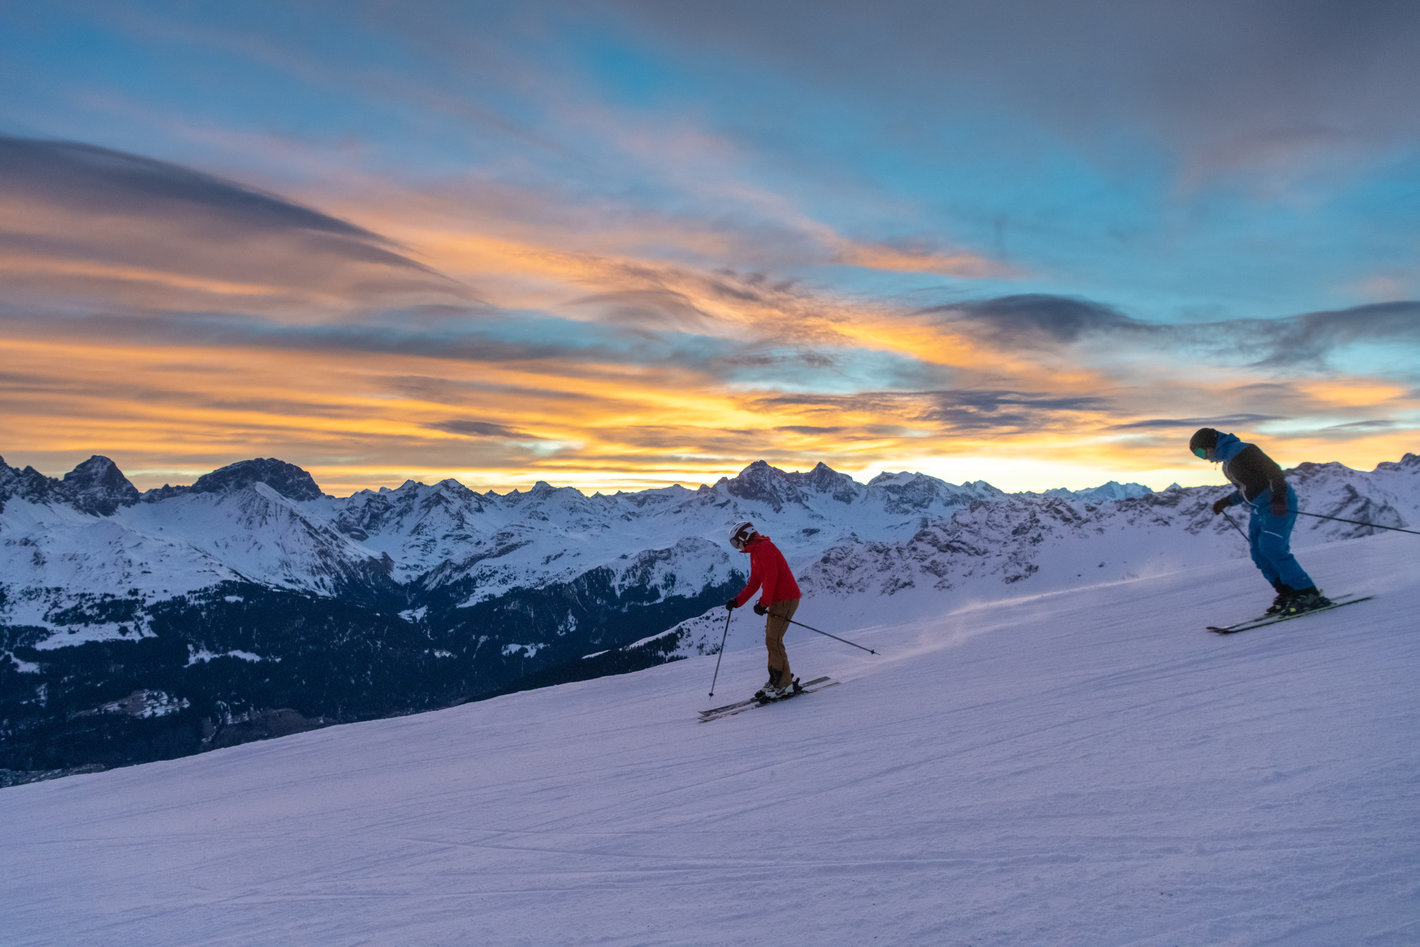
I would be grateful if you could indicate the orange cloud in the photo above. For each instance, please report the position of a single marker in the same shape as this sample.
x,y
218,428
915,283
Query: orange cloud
x,y
881,257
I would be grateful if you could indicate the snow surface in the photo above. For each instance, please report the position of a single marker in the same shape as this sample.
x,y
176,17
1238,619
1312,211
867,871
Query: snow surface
x,y
1083,767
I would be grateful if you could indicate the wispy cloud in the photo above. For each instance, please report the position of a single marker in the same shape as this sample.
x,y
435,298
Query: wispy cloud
x,y
1313,337
79,220
1036,320
1221,422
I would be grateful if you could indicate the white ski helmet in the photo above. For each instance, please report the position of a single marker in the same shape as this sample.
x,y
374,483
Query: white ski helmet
x,y
741,534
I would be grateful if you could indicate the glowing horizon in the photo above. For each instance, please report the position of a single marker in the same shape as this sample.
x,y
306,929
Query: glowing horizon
x,y
1010,475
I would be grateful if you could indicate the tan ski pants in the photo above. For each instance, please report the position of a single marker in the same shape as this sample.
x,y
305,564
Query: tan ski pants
x,y
776,623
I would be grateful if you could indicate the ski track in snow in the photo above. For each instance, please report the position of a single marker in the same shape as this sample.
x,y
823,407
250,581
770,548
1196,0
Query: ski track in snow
x,y
1086,767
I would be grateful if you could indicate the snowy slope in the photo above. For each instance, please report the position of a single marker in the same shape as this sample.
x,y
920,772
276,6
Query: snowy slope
x,y
1084,766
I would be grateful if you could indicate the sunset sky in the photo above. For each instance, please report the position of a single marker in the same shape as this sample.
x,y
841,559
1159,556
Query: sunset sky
x,y
617,244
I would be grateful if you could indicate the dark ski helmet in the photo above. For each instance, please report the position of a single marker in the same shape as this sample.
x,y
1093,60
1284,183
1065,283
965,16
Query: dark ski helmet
x,y
1204,439
742,533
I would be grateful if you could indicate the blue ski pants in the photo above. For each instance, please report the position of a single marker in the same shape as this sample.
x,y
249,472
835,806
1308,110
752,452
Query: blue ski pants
x,y
1270,539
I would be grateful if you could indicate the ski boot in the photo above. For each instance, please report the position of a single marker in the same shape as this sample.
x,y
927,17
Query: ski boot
x,y
1284,595
1305,600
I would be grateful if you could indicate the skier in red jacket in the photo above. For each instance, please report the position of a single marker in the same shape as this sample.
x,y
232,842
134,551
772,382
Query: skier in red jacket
x,y
778,602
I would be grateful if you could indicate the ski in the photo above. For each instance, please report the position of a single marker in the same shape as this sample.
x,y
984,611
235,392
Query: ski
x,y
756,704
739,707
755,700
1274,619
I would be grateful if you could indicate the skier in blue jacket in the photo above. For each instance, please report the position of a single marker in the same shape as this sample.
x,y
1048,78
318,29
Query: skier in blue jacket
x,y
1263,487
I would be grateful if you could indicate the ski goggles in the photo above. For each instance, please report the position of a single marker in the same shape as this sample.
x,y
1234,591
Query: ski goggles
x,y
1201,452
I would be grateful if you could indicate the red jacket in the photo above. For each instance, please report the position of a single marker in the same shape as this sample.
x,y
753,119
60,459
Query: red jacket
x,y
768,568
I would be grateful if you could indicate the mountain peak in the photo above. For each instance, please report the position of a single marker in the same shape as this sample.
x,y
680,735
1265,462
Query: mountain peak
x,y
824,479
97,486
97,469
763,483
1408,462
286,479
1114,490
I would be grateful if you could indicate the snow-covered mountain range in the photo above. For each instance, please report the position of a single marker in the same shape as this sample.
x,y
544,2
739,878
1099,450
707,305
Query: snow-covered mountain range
x,y
250,602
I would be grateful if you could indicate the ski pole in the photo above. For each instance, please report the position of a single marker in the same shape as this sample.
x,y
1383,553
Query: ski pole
x,y
721,654
824,633
1236,526
1358,522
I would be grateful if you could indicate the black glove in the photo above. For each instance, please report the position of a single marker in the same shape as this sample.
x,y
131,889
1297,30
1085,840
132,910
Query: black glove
x,y
759,609
1220,505
731,605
